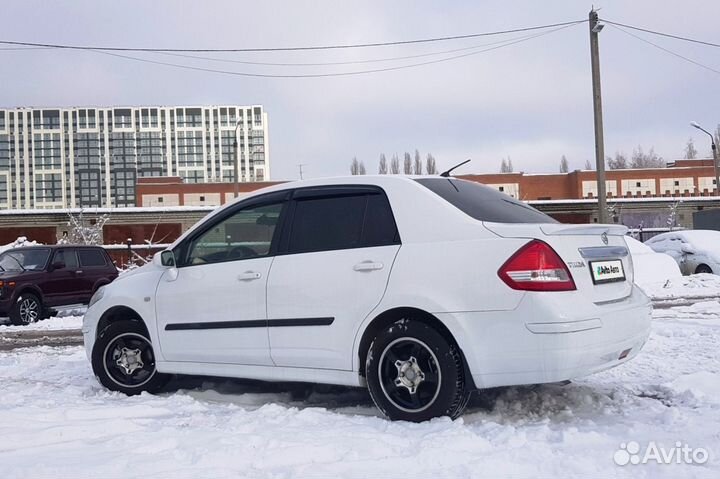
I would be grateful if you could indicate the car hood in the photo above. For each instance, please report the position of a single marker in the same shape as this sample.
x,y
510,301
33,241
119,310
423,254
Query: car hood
x,y
7,275
145,269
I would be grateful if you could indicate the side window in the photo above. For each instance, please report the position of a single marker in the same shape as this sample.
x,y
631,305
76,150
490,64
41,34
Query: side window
x,y
330,223
246,234
66,256
379,228
91,257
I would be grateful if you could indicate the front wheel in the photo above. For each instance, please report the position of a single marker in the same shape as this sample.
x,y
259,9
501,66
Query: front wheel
x,y
123,359
415,374
27,310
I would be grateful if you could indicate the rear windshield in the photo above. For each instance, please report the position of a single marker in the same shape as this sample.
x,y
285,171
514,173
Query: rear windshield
x,y
484,203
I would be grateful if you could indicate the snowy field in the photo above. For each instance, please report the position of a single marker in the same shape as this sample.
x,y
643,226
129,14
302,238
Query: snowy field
x,y
56,420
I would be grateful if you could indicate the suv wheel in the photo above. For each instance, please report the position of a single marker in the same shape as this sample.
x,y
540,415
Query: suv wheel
x,y
26,310
123,359
414,373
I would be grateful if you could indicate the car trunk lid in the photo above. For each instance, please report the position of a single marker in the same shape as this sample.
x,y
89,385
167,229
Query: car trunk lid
x,y
583,248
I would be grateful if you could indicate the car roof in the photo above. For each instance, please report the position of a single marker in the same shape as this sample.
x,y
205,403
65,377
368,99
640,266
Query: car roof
x,y
53,246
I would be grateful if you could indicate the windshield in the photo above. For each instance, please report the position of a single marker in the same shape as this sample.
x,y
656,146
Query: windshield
x,y
484,203
28,259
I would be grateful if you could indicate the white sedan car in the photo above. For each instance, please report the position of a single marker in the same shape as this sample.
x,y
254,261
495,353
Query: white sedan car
x,y
695,251
422,289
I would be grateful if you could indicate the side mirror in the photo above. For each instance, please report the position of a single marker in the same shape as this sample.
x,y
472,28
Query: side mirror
x,y
57,265
167,258
687,249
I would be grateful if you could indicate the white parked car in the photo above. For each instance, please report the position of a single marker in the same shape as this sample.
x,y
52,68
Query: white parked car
x,y
695,251
650,266
421,289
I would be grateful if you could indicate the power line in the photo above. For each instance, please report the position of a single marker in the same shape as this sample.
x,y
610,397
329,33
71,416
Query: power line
x,y
285,49
318,64
668,35
335,74
675,54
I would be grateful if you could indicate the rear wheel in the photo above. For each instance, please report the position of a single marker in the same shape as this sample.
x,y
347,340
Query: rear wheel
x,y
703,268
415,374
123,359
26,310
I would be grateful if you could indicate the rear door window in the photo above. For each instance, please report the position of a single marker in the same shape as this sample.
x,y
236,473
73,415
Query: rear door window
x,y
91,258
482,202
322,224
341,221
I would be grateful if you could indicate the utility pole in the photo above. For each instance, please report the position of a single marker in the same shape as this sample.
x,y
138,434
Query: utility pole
x,y
595,28
716,165
300,165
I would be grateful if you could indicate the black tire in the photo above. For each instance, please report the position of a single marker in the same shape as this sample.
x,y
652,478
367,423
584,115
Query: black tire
x,y
703,268
27,309
392,373
115,359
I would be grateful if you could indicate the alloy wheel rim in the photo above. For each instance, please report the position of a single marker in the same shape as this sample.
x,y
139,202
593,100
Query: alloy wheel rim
x,y
409,374
29,310
129,360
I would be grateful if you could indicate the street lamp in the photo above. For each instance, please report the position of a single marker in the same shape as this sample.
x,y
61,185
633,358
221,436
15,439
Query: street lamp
x,y
714,151
237,160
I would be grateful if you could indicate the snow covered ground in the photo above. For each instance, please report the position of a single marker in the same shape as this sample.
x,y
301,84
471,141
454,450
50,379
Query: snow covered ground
x,y
56,421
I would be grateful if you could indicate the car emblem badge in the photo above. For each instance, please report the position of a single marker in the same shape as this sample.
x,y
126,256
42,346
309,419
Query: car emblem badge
x,y
604,238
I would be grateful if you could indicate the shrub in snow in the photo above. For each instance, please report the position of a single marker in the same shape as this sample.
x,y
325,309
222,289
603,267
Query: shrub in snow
x,y
19,242
83,232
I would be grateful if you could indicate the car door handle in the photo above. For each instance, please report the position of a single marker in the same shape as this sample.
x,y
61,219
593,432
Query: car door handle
x,y
79,272
249,276
368,266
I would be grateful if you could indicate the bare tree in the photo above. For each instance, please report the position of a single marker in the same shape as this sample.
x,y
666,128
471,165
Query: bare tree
x,y
383,167
563,164
588,165
82,231
354,166
690,150
650,159
506,165
617,163
417,165
395,164
430,166
361,169
407,164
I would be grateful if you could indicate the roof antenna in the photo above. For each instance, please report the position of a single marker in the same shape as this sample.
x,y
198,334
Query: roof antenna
x,y
446,174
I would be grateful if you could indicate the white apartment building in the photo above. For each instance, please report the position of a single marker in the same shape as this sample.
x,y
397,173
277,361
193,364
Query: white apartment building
x,y
92,156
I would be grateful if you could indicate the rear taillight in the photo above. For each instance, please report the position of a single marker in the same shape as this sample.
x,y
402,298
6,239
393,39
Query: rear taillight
x,y
536,267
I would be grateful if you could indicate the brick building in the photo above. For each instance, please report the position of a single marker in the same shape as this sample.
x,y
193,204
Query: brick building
x,y
173,191
682,178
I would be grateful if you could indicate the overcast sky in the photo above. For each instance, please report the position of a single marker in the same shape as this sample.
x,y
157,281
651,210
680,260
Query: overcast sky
x,y
530,101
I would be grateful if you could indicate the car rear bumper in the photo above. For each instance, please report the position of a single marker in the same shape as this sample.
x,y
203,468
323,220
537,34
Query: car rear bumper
x,y
548,338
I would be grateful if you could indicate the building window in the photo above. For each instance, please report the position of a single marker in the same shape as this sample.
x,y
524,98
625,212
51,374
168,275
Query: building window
x,y
638,185
202,198
160,199
501,188
677,183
